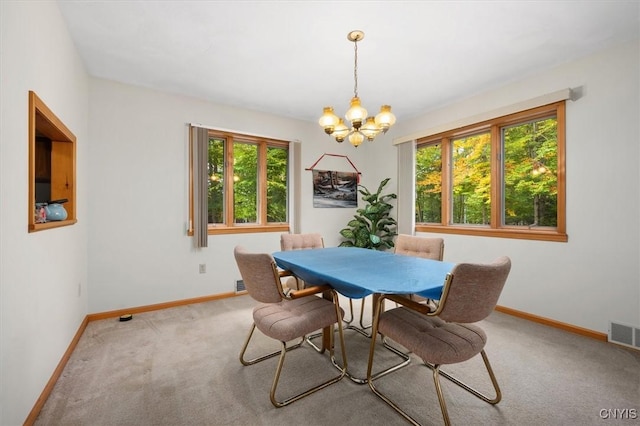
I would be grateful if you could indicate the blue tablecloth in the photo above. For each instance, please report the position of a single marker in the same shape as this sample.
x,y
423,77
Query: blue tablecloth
x,y
357,272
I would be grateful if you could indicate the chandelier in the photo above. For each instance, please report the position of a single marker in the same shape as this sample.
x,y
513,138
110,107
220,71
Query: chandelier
x,y
362,126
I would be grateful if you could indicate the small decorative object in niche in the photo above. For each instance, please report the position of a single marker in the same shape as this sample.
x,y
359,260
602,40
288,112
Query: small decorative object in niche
x,y
55,210
334,189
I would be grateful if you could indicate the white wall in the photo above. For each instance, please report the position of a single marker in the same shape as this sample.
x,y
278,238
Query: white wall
x,y
43,275
139,251
594,277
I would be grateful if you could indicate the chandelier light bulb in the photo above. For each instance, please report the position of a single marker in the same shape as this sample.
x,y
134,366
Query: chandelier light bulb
x,y
356,138
356,114
385,118
341,131
370,129
329,120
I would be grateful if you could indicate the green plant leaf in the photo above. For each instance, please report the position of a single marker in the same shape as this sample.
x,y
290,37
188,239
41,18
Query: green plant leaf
x,y
347,233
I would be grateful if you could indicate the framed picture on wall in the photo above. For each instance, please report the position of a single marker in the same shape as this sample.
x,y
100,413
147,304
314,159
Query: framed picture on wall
x,y
332,189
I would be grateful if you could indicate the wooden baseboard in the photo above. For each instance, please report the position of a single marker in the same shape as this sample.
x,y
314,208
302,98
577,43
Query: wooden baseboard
x,y
158,306
33,415
553,323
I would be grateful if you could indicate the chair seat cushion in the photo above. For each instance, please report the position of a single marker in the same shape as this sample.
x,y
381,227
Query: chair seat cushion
x,y
293,318
430,338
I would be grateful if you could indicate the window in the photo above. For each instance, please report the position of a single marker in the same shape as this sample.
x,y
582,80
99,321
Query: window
x,y
504,177
247,185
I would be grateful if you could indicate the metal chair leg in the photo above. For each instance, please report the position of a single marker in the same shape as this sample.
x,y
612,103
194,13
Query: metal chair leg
x,y
443,404
362,305
471,390
350,320
405,358
276,379
362,328
263,357
323,385
371,377
283,351
436,380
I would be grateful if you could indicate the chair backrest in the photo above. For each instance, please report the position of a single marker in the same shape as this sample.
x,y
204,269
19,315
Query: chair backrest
x,y
258,270
428,248
472,291
300,241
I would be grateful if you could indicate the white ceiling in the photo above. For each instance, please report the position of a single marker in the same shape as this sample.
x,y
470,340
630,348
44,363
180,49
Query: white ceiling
x,y
292,57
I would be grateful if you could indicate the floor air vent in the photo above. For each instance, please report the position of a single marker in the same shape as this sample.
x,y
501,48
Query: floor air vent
x,y
624,334
240,286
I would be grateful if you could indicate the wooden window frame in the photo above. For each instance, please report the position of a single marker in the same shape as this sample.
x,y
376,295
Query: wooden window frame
x,y
43,122
229,226
496,228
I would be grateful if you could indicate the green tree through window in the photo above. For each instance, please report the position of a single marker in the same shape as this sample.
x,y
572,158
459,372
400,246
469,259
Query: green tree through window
x,y
531,184
503,177
472,179
216,180
248,184
429,184
277,163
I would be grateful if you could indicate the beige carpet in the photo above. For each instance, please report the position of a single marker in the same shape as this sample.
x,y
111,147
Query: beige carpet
x,y
180,366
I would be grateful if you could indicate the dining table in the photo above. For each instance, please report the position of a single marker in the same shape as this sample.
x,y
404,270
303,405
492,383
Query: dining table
x,y
356,272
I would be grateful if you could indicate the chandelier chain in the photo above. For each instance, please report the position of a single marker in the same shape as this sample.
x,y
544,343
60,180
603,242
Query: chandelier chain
x,y
355,69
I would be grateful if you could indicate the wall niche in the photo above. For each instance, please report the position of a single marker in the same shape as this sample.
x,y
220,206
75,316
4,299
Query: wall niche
x,y
52,166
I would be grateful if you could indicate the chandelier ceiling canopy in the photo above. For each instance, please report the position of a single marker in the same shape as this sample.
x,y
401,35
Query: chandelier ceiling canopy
x,y
362,126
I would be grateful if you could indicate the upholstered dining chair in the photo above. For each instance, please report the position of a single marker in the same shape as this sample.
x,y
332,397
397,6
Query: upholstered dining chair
x,y
446,335
425,247
411,245
304,242
299,242
287,319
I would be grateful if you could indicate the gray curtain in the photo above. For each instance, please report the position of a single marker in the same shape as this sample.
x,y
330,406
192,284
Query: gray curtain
x,y
406,187
295,186
200,150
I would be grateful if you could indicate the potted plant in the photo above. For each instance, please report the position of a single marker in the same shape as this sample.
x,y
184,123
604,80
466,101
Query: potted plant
x,y
372,227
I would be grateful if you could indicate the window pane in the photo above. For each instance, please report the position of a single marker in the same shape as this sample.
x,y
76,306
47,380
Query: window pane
x,y
216,180
429,184
472,180
530,178
277,184
245,182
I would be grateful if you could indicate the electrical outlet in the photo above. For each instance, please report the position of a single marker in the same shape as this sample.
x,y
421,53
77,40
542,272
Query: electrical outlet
x,y
202,268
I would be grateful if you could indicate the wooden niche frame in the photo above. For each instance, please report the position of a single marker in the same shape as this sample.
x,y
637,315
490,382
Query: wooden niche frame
x,y
55,158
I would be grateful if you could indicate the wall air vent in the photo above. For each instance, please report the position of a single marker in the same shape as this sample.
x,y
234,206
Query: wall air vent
x,y
240,286
624,334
